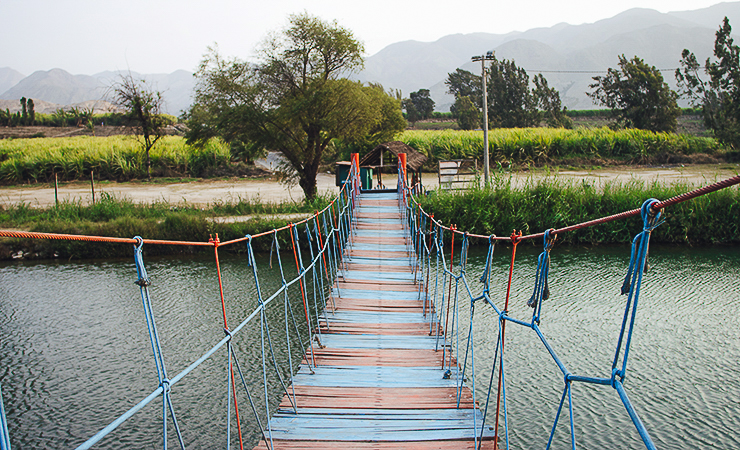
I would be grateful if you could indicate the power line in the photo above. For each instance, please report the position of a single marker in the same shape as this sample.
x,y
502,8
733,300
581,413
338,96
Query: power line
x,y
585,71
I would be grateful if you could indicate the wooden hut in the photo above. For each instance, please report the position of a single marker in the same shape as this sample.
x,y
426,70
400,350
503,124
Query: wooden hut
x,y
386,156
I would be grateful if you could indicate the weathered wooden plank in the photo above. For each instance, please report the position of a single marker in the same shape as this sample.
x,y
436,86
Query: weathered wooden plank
x,y
373,317
375,376
400,286
377,357
379,254
363,292
343,445
391,398
396,329
380,269
385,249
378,341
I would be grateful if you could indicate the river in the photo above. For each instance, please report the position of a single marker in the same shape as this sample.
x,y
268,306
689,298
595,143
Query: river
x,y
76,354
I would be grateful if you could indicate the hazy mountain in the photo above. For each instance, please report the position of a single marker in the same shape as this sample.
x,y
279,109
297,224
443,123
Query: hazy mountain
x,y
656,37
59,87
559,52
9,78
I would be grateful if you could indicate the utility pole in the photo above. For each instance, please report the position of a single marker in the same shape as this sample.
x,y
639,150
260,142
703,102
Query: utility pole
x,y
483,58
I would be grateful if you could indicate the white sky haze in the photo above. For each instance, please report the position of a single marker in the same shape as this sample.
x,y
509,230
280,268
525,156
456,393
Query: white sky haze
x,y
161,36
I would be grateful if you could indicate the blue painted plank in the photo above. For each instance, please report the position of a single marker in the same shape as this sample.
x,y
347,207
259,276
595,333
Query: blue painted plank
x,y
384,414
375,295
345,432
378,276
376,247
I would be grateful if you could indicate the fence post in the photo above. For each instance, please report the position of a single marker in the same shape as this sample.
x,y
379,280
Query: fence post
x,y
56,190
92,185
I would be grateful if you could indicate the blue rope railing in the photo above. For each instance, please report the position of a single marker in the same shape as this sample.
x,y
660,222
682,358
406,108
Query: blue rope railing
x,y
330,234
429,240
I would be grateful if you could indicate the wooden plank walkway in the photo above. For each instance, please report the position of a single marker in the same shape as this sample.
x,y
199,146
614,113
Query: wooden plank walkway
x,y
378,382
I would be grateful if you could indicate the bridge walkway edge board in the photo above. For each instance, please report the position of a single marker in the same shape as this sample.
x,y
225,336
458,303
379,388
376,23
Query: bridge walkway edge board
x,y
378,382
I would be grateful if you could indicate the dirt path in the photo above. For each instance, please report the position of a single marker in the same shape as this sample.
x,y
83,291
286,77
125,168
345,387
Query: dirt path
x,y
207,191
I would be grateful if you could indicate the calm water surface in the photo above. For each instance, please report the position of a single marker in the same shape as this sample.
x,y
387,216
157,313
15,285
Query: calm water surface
x,y
75,351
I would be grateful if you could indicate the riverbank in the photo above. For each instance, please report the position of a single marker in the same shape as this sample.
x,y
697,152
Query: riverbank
x,y
555,202
530,201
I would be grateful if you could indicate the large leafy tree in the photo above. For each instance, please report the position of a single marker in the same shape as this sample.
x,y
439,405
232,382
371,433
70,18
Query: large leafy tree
x,y
637,96
719,96
551,109
511,103
293,100
466,113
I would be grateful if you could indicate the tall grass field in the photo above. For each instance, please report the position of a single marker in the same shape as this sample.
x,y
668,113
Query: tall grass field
x,y
115,158
533,145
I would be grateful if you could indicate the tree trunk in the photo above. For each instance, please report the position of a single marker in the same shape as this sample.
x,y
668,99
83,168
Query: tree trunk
x,y
308,184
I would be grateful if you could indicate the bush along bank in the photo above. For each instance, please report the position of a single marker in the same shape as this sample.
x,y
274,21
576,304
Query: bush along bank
x,y
122,218
554,203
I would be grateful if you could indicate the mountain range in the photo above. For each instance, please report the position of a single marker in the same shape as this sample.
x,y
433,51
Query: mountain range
x,y
567,55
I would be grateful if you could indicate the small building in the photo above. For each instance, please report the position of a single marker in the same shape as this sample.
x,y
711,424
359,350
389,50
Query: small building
x,y
384,159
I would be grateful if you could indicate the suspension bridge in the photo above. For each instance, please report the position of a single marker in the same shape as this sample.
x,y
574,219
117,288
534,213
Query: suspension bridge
x,y
381,284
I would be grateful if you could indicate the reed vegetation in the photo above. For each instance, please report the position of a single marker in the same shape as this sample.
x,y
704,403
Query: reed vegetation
x,y
544,145
553,202
113,158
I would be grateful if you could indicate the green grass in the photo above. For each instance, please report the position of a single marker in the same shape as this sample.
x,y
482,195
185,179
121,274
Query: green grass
x,y
543,145
115,158
555,203
123,218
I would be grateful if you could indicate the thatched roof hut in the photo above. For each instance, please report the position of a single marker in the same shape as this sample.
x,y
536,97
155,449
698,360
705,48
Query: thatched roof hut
x,y
414,159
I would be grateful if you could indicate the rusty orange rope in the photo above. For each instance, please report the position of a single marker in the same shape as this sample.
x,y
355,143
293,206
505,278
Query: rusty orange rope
x,y
216,243
515,240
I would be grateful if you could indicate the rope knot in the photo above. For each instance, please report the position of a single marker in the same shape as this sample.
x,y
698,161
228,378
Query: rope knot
x,y
166,386
143,282
227,332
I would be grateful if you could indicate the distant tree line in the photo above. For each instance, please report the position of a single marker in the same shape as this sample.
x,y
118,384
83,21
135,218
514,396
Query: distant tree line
x,y
635,94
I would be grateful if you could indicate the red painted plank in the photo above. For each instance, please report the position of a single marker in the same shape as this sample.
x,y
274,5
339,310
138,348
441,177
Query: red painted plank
x,y
379,254
384,398
378,268
400,286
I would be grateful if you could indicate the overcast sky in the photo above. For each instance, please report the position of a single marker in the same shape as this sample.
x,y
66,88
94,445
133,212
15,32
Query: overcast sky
x,y
161,36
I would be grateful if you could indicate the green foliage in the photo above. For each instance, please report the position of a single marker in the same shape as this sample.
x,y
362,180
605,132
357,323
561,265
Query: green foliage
x,y
510,101
123,218
144,107
467,114
551,109
294,101
384,128
419,105
513,104
719,97
539,145
555,203
114,158
462,83
637,96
